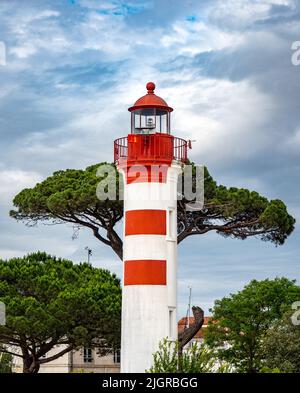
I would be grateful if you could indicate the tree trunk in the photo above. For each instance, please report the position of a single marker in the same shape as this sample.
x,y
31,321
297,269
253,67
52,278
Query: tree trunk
x,y
30,366
187,334
115,243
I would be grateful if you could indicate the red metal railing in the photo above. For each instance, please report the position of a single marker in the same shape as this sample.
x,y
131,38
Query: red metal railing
x,y
180,149
120,148
162,146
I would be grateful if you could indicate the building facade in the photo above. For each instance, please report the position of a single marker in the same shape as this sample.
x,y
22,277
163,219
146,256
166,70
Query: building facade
x,y
86,360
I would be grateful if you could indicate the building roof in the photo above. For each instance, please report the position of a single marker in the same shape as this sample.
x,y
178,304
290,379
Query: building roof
x,y
182,323
150,100
184,320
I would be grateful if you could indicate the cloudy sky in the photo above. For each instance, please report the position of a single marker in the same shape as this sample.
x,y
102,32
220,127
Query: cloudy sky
x,y
73,67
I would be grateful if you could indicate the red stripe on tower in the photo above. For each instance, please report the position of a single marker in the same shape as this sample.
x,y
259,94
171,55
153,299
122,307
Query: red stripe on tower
x,y
145,222
146,174
145,272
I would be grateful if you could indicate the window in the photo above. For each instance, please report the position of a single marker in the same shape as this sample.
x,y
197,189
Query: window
x,y
87,355
171,321
171,224
150,121
117,356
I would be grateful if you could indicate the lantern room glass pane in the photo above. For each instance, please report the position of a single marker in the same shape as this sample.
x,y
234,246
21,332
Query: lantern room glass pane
x,y
150,121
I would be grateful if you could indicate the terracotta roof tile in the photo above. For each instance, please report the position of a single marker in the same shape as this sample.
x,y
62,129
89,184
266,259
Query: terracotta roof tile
x,y
182,323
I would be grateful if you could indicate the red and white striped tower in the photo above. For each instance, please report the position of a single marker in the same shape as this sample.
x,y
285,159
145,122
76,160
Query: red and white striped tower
x,y
150,159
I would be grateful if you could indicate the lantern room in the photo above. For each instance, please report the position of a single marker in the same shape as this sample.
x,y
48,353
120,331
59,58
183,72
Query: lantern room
x,y
150,114
150,140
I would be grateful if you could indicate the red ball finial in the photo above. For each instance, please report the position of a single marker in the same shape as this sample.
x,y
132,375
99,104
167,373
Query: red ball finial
x,y
150,86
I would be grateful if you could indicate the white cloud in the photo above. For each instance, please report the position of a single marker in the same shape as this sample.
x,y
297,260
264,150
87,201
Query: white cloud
x,y
293,142
13,181
232,116
24,51
192,38
243,13
31,31
219,115
44,14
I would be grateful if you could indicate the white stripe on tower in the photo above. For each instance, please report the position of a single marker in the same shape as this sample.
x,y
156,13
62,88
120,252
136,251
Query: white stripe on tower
x,y
150,269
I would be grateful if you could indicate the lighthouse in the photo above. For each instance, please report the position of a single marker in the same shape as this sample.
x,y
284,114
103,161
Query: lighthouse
x,y
150,160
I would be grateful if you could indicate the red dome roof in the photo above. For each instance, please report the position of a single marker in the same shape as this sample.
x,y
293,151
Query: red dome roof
x,y
150,100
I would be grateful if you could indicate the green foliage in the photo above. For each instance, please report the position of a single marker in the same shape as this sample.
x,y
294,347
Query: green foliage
x,y
195,359
241,321
234,212
267,370
70,196
281,346
81,371
51,301
71,190
5,363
